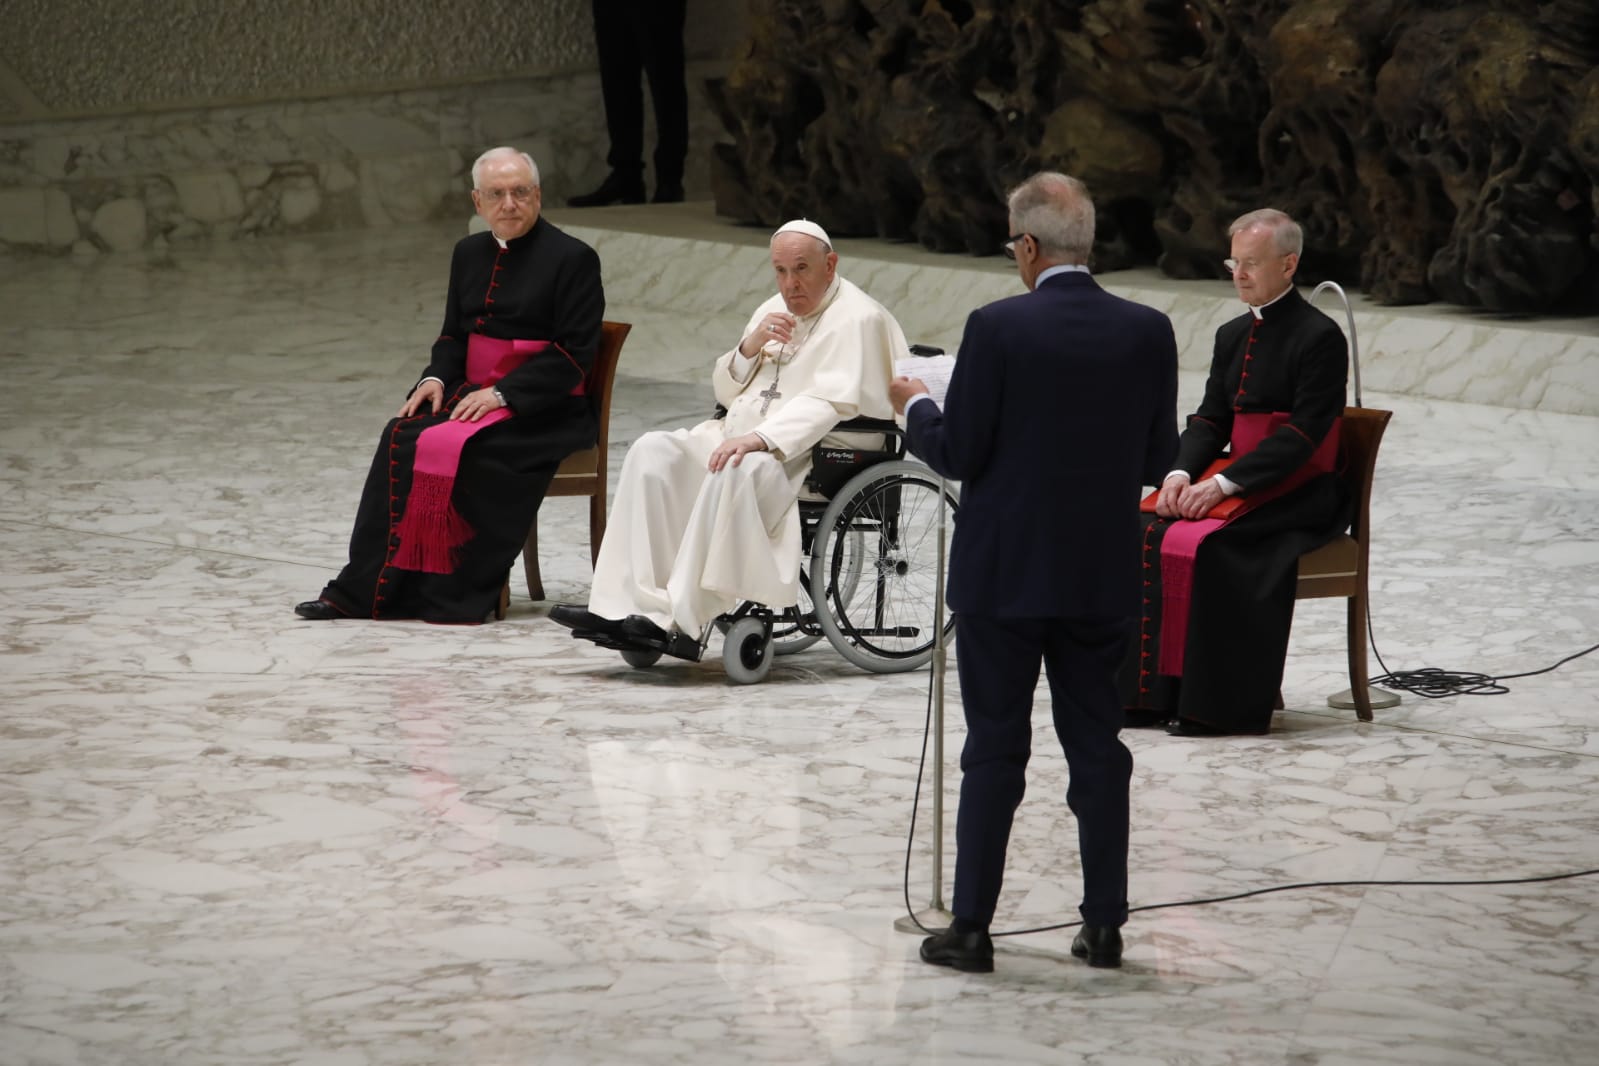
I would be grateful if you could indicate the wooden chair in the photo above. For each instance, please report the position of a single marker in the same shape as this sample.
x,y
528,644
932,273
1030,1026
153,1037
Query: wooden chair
x,y
1339,568
584,473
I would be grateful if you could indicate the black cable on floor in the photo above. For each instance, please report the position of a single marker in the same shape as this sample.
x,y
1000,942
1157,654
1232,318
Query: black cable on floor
x,y
1430,682
1434,684
916,797
1313,884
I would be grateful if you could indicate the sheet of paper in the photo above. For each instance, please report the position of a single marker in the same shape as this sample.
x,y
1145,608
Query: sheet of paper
x,y
933,370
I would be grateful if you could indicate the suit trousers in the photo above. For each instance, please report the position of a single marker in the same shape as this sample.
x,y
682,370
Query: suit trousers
x,y
999,659
643,36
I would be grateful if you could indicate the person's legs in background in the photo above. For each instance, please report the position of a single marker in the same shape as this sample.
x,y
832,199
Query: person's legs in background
x,y
663,58
636,38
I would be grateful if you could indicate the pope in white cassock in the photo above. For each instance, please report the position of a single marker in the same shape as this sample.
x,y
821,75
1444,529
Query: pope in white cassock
x,y
708,516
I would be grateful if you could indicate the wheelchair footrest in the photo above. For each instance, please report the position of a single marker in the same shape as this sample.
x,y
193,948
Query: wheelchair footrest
x,y
878,631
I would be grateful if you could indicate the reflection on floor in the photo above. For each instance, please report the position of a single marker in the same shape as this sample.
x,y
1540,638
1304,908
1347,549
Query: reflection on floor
x,y
231,837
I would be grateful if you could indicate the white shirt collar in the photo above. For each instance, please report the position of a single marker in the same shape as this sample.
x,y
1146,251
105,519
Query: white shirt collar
x,y
1060,268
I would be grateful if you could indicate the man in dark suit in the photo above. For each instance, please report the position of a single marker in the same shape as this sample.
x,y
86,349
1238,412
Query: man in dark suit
x,y
1062,404
641,38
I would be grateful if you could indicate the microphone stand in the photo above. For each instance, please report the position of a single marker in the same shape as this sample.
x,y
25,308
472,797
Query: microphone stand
x,y
935,918
1380,698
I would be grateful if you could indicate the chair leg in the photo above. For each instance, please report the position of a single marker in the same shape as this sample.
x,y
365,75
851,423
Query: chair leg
x,y
1359,687
505,598
596,525
530,562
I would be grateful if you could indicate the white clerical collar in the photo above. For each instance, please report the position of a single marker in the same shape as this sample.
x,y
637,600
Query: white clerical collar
x,y
1268,303
1059,268
503,243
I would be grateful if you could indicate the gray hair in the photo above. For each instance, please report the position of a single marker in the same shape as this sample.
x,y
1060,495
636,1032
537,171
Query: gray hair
x,y
1286,235
1056,210
495,153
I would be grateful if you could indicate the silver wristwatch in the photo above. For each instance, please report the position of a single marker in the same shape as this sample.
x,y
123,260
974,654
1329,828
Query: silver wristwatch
x,y
498,395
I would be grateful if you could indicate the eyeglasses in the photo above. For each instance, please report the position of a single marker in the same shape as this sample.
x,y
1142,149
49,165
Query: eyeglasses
x,y
1248,266
520,193
1010,243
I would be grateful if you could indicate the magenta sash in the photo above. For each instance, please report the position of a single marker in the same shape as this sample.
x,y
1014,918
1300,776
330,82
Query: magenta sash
x,y
1180,544
432,532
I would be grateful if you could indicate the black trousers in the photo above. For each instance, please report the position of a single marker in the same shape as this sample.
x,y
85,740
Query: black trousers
x,y
999,660
643,37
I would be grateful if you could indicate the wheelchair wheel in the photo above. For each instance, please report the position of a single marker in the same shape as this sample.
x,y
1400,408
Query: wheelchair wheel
x,y
747,652
641,658
875,558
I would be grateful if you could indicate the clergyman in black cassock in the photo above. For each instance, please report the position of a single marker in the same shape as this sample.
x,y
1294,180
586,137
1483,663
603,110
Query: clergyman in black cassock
x,y
1281,357
524,287
1062,404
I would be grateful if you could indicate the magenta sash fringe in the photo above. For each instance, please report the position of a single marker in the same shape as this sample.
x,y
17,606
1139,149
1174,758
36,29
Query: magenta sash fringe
x,y
1180,545
432,532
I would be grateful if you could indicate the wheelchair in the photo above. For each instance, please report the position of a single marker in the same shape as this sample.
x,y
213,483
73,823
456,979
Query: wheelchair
x,y
869,572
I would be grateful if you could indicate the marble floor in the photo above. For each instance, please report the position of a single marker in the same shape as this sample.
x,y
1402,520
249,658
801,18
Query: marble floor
x,y
229,837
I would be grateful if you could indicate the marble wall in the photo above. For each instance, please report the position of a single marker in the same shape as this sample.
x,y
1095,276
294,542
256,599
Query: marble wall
x,y
123,130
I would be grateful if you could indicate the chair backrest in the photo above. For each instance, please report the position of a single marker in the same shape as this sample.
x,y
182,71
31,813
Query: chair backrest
x,y
1360,437
602,376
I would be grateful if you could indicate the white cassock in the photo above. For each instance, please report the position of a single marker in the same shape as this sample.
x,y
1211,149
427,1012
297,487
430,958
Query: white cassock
x,y
684,545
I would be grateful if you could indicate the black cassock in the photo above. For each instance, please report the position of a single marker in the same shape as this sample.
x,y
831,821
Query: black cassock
x,y
544,285
1293,359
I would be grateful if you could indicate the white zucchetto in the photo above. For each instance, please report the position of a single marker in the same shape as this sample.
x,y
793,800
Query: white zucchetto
x,y
807,227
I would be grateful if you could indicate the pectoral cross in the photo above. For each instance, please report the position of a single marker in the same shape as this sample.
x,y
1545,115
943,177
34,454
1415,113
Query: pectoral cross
x,y
767,395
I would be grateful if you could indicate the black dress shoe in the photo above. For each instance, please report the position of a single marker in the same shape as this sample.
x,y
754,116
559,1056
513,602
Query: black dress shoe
x,y
669,193
615,189
1101,945
640,630
584,621
1142,718
971,952
318,611
1187,727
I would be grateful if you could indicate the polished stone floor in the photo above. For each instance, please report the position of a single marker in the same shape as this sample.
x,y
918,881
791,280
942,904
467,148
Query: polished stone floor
x,y
229,837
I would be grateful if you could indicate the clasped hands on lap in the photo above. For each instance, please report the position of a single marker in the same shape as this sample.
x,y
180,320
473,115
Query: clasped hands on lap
x,y
1180,499
471,408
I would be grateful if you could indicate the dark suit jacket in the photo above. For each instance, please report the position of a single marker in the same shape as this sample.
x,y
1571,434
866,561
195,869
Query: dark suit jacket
x,y
1063,404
